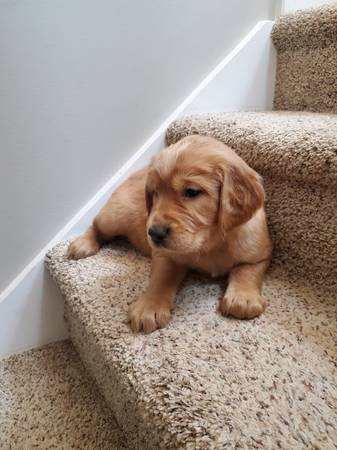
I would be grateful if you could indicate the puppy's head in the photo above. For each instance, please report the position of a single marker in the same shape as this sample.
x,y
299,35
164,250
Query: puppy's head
x,y
197,191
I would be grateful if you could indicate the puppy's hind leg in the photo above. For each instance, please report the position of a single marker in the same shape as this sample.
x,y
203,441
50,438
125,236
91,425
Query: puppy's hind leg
x,y
85,245
107,224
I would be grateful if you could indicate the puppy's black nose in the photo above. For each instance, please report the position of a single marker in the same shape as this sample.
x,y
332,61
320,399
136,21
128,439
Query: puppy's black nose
x,y
159,234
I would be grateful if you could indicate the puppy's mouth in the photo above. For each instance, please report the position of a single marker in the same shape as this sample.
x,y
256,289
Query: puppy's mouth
x,y
158,243
171,241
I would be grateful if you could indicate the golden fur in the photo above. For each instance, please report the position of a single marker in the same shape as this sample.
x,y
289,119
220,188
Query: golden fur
x,y
222,229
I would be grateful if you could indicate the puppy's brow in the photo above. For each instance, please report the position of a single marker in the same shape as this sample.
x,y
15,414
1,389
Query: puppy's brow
x,y
165,164
193,172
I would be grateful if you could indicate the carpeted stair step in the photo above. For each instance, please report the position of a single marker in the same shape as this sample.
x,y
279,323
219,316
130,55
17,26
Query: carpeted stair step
x,y
205,381
296,153
306,44
48,401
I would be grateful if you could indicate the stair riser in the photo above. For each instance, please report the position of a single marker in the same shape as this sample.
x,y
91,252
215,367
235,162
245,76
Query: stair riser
x,y
117,388
303,224
306,80
306,44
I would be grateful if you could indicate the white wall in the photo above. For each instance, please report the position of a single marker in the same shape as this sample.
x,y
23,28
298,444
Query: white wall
x,y
82,84
294,5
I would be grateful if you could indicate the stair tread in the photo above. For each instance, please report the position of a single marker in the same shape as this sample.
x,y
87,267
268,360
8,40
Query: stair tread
x,y
296,145
313,27
48,401
206,381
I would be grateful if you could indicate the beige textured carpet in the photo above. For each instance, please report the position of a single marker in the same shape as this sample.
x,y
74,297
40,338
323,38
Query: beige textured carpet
x,y
208,382
205,382
306,44
47,401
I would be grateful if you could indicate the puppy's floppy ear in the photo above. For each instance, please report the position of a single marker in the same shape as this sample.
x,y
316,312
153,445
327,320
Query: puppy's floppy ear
x,y
241,195
148,199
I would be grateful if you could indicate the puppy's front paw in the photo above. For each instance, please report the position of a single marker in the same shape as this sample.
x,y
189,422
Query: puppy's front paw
x,y
82,247
148,315
242,305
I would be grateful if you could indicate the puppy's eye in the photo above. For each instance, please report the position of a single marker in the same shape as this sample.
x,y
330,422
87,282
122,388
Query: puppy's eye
x,y
191,192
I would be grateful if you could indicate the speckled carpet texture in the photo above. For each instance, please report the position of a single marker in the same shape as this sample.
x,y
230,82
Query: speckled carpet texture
x,y
205,382
47,401
306,44
209,382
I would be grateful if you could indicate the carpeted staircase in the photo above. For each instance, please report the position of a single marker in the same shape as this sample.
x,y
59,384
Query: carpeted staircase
x,y
209,382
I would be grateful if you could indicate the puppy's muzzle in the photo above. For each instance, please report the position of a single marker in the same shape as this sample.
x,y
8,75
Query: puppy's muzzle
x,y
159,234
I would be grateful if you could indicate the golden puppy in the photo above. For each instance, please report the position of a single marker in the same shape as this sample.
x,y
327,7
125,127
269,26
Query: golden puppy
x,y
197,205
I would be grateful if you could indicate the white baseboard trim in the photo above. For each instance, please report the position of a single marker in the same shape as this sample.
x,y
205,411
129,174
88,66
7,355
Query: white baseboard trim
x,y
31,307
